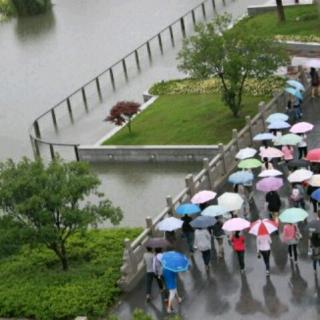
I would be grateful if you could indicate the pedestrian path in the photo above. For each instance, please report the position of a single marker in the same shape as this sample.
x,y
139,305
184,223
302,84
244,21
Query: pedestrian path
x,y
291,292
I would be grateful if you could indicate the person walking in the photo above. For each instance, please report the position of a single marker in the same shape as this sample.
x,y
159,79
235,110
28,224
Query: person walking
x,y
314,82
188,231
170,279
158,271
310,190
264,249
219,234
291,236
238,245
273,204
202,242
288,152
315,249
297,196
302,146
266,165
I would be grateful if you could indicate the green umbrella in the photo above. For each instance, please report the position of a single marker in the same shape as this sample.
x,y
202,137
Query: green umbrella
x,y
249,163
288,139
293,215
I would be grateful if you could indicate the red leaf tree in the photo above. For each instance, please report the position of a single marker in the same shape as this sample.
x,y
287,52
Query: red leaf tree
x,y
122,113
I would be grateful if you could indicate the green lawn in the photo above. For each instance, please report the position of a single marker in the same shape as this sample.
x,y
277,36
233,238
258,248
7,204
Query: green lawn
x,y
185,119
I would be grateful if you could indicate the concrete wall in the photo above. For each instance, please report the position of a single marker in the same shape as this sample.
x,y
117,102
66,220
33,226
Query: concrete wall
x,y
258,9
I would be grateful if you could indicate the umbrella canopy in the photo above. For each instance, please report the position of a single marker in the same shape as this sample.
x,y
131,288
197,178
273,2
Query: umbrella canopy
x,y
278,124
246,153
241,177
271,152
174,261
288,139
203,222
214,211
294,92
293,215
316,195
249,163
301,127
314,181
263,136
269,184
231,201
296,84
300,175
203,196
157,243
270,173
298,163
169,224
313,155
236,224
313,63
278,116
314,226
188,208
263,227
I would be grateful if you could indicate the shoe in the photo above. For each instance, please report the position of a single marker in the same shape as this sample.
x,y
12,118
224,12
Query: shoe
x,y
179,299
148,297
296,262
268,273
243,270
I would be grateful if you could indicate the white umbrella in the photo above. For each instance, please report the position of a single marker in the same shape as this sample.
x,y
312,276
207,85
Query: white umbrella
x,y
246,153
263,136
315,180
231,201
269,173
278,124
313,63
169,224
300,175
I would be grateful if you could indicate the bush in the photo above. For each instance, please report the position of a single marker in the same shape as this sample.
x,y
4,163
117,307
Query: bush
x,y
31,7
32,284
7,8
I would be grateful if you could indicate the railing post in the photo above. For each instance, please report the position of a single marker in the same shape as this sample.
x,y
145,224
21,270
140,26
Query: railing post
x,y
171,35
70,109
124,66
35,147
76,152
98,88
160,43
262,106
221,151
136,55
149,50
51,151
249,124
37,129
206,167
236,138
183,28
54,119
193,17
214,5
84,98
224,2
131,259
149,225
203,7
190,185
112,78
170,206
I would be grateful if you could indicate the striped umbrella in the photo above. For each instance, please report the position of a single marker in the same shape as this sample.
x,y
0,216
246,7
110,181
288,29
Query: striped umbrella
x,y
263,227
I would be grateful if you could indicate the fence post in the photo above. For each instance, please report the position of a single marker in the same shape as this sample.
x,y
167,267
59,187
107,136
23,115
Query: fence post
x,y
262,106
302,76
136,55
112,79
171,35
193,17
149,50
98,88
51,151
84,98
131,259
160,43
206,166
190,185
124,66
221,151
76,152
149,225
236,138
183,28
224,2
249,124
37,129
170,205
203,7
70,109
214,5
54,119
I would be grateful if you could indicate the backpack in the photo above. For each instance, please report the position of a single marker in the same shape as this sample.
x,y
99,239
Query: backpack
x,y
296,194
288,233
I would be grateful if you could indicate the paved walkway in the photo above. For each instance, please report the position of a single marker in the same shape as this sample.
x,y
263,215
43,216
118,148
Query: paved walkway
x,y
292,292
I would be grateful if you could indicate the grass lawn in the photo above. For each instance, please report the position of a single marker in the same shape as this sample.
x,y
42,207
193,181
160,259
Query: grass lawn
x,y
301,21
33,286
185,119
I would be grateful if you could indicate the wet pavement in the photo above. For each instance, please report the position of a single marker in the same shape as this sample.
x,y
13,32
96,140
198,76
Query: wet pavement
x,y
291,292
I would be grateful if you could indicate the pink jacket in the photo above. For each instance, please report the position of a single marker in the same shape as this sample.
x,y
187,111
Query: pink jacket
x,y
287,152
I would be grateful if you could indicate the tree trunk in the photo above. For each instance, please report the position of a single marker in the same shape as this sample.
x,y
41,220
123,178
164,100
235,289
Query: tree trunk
x,y
280,11
61,254
129,125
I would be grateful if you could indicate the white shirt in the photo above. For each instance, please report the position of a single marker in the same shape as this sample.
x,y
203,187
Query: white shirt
x,y
202,240
263,243
303,142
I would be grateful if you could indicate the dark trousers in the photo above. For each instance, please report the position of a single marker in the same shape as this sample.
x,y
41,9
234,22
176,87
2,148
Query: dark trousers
x,y
315,264
314,204
293,247
302,152
206,256
189,235
149,279
241,259
266,258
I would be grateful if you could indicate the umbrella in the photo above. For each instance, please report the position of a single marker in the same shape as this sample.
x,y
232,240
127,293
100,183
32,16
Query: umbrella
x,y
188,208
279,124
313,155
271,153
301,127
296,84
169,224
298,163
293,215
263,136
246,153
316,195
203,222
277,117
296,93
203,196
314,226
313,63
314,181
300,175
241,177
236,224
174,261
249,163
269,184
157,243
263,227
231,201
288,139
270,173
214,211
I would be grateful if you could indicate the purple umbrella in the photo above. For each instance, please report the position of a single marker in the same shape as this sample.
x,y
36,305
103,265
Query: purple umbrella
x,y
269,184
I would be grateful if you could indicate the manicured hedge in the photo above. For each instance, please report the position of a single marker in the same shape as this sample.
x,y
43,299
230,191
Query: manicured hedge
x,y
31,7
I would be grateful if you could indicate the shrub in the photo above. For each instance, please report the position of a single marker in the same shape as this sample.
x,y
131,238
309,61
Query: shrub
x,y
7,8
31,7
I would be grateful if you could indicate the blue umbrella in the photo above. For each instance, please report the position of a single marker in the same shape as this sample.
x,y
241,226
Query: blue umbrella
x,y
174,261
294,92
240,177
214,211
278,116
263,136
316,195
296,84
203,222
188,208
279,124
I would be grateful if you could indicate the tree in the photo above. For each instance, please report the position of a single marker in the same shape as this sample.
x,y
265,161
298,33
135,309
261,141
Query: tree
x,y
280,11
123,112
47,203
232,55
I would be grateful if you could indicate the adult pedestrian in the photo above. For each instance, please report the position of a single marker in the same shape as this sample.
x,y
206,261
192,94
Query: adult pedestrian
x,y
273,204
264,249
202,242
291,236
219,235
297,108
158,271
297,196
238,245
310,190
303,146
266,165
315,249
314,82
288,152
170,279
188,231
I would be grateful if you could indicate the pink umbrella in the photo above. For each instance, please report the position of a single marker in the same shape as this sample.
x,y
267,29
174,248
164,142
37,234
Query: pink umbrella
x,y
269,184
301,127
263,227
236,224
203,196
271,153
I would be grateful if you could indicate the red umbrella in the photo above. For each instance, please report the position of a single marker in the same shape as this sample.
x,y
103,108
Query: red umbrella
x,y
263,227
313,155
